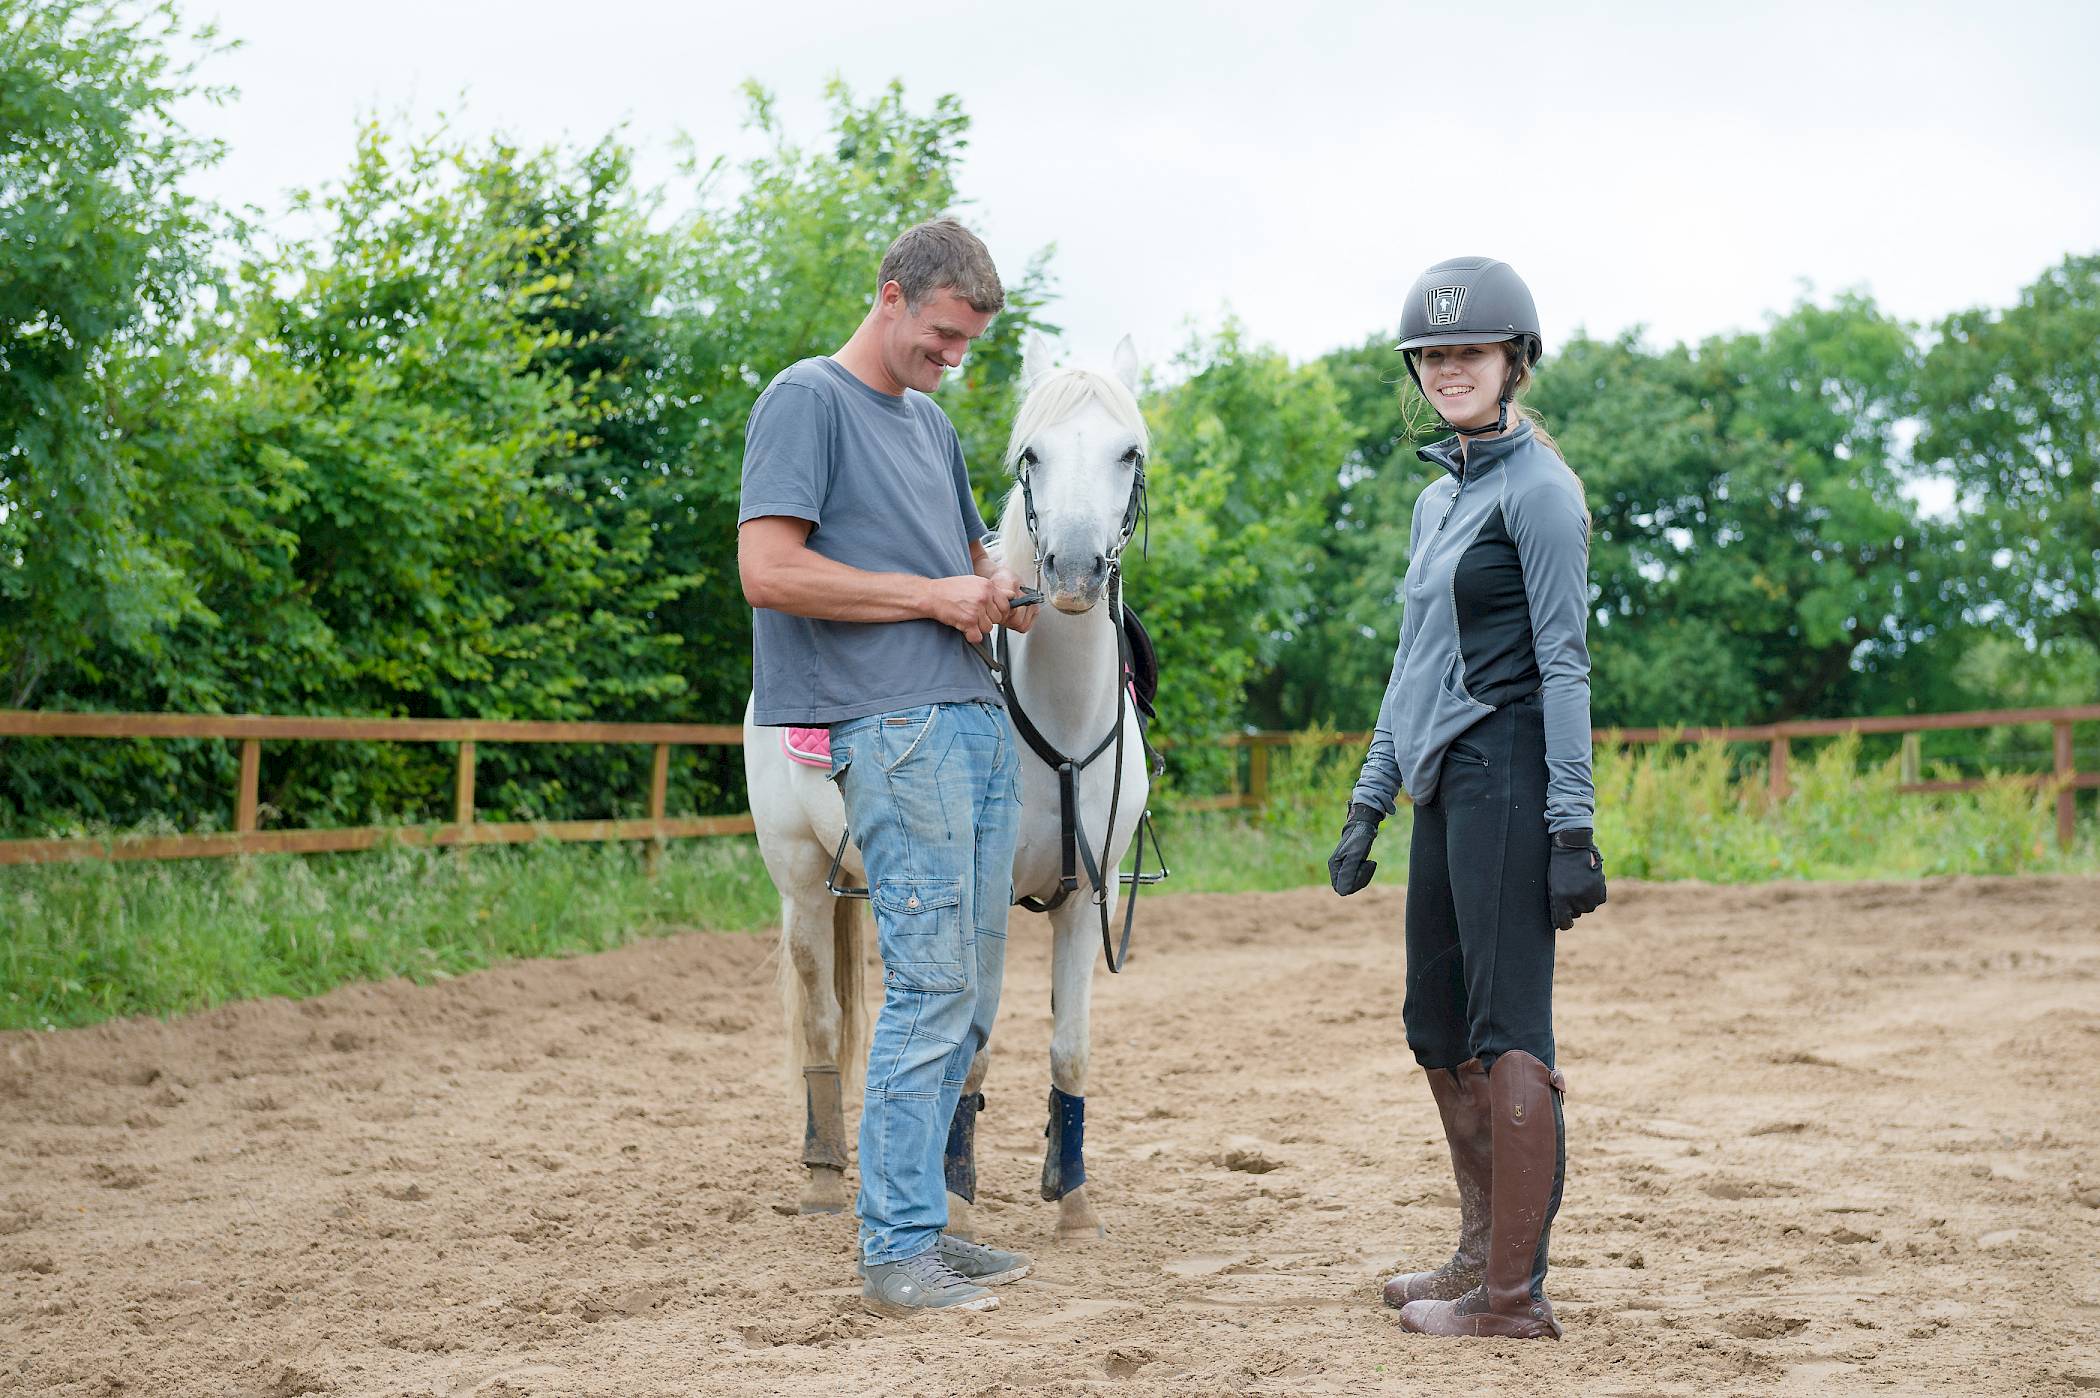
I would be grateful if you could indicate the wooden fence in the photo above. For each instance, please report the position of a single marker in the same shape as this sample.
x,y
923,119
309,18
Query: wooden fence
x,y
252,731
1778,737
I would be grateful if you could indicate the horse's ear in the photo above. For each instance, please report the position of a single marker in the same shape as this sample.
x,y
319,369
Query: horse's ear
x,y
1126,362
1035,358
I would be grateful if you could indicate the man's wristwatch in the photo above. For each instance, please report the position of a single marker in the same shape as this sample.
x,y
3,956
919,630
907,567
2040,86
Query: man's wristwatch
x,y
1571,839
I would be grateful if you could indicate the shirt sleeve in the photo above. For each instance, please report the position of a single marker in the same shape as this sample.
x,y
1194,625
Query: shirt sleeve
x,y
1551,529
1378,784
974,528
787,455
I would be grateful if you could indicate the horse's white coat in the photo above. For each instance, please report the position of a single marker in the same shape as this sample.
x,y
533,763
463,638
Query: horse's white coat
x,y
1079,428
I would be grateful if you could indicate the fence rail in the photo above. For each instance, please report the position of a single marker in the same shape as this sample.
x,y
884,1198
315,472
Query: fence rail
x,y
253,730
1778,738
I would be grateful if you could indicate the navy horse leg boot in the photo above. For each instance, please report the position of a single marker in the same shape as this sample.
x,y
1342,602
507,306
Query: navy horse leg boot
x,y
959,1163
1064,1168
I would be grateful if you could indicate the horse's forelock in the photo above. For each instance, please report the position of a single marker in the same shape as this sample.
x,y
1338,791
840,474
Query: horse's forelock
x,y
1055,397
1066,391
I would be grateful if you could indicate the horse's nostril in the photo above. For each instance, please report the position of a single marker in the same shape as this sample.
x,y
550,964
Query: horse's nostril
x,y
1100,562
1050,562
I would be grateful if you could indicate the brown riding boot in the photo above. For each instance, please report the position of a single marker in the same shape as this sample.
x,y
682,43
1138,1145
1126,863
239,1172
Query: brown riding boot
x,y
1530,1154
1462,1101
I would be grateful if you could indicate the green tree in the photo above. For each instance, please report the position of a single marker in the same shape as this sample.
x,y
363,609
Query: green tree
x,y
474,451
1752,550
1334,669
433,387
2011,406
1244,448
103,256
419,517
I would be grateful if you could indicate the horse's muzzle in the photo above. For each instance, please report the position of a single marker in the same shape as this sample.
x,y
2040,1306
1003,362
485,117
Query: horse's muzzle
x,y
1075,589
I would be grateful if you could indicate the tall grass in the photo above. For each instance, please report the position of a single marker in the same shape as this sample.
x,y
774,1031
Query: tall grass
x,y
1689,814
84,942
1667,812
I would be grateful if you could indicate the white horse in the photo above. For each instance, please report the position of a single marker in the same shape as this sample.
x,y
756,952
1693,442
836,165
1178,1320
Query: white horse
x,y
1077,453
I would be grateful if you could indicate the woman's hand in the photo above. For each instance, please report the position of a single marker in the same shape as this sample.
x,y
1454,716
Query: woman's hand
x,y
1574,878
1347,868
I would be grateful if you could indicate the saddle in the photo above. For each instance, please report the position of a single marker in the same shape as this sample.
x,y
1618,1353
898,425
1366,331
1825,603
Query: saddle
x,y
1141,664
809,746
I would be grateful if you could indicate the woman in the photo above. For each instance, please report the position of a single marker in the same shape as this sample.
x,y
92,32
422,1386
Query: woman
x,y
1486,723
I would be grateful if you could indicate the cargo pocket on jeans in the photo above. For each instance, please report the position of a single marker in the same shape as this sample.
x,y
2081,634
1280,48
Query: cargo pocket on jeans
x,y
918,924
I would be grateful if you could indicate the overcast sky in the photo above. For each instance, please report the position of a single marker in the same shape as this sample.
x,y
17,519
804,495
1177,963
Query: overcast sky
x,y
1684,168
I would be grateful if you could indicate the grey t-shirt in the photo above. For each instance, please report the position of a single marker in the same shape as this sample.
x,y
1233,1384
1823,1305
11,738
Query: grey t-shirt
x,y
882,481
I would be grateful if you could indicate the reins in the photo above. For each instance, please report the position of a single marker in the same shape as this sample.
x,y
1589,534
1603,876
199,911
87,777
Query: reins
x,y
1075,850
1074,847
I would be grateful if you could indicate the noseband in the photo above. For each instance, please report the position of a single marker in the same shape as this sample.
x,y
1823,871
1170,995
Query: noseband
x,y
1137,514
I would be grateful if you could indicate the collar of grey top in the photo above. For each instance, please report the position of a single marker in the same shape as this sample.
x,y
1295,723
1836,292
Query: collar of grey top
x,y
1485,451
899,403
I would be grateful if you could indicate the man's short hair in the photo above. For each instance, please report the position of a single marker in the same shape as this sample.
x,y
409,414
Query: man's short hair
x,y
937,255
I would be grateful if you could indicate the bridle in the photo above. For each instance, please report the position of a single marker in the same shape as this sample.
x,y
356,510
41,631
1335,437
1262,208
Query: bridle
x,y
1137,515
1075,848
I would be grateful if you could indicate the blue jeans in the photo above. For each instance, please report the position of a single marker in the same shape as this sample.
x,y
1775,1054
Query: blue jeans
x,y
932,798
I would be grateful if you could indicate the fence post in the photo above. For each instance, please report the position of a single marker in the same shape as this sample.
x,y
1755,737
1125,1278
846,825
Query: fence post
x,y
659,781
1257,773
251,779
2066,794
463,795
1780,752
1911,766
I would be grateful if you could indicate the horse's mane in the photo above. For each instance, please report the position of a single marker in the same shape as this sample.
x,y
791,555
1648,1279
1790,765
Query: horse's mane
x,y
1055,397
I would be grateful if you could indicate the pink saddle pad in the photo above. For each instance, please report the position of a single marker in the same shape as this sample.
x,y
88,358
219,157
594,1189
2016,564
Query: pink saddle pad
x,y
809,746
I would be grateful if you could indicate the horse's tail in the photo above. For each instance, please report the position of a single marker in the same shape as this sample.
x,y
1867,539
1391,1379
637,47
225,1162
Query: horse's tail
x,y
848,995
849,974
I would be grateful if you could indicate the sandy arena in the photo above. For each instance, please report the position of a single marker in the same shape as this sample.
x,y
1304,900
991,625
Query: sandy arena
x,y
1821,1139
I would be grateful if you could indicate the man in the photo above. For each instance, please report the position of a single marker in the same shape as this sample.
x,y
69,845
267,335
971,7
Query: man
x,y
862,555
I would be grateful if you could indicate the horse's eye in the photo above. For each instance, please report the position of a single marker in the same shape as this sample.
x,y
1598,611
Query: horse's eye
x,y
1028,456
1133,457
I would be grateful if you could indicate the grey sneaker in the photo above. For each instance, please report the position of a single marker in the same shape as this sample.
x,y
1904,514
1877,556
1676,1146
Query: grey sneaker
x,y
922,1283
985,1266
975,1262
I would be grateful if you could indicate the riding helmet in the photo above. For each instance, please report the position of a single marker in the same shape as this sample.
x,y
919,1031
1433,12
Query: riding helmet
x,y
1470,301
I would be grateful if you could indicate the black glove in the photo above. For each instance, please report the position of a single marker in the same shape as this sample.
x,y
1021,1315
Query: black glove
x,y
1574,878
1347,869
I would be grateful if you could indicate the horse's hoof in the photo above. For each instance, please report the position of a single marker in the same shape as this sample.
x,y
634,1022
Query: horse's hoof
x,y
962,1219
1076,1220
824,1192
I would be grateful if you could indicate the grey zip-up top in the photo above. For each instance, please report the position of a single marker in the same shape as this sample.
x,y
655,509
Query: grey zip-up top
x,y
1495,607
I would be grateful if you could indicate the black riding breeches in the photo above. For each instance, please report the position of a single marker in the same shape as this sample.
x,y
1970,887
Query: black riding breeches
x,y
1479,933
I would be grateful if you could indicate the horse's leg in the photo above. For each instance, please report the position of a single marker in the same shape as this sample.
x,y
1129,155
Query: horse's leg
x,y
1076,937
814,1021
961,1159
